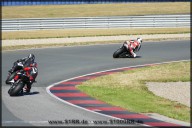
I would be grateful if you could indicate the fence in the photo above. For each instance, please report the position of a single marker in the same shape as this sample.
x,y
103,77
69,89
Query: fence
x,y
59,2
97,22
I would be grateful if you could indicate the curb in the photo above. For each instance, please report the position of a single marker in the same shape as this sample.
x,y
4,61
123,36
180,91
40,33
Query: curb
x,y
67,92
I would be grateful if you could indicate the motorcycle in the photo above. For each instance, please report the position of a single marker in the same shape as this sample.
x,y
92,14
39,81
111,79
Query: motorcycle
x,y
122,52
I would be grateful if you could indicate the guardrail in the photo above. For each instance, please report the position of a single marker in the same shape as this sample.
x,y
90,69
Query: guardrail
x,y
97,22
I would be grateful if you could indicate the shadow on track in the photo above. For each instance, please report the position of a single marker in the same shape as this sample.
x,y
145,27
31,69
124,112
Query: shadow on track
x,y
26,93
129,57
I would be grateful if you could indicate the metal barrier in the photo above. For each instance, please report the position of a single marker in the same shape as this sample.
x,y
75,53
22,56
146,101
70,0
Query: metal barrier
x,y
97,22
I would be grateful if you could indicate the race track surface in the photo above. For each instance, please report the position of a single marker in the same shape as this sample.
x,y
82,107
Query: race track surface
x,y
57,64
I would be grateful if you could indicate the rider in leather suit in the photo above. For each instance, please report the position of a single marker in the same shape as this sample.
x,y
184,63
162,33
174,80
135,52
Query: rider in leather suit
x,y
133,46
28,66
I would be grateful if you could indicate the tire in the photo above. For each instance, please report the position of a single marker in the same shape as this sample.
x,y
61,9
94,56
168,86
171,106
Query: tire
x,y
118,53
16,89
10,77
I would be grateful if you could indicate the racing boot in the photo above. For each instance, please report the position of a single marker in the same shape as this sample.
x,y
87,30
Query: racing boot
x,y
27,88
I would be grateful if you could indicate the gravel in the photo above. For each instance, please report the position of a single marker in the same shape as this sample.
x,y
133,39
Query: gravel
x,y
175,91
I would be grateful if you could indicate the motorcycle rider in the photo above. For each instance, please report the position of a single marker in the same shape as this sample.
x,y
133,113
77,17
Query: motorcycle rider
x,y
27,66
21,63
133,46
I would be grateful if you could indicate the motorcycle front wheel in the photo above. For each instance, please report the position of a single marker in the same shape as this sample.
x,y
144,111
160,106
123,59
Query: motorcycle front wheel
x,y
16,89
10,77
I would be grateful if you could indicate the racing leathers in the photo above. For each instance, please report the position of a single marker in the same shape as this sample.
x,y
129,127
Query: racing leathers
x,y
20,64
132,46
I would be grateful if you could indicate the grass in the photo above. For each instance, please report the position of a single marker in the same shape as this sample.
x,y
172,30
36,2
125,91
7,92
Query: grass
x,y
128,90
62,33
92,10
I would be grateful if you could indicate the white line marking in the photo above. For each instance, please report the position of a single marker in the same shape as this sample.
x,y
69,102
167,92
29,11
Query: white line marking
x,y
48,88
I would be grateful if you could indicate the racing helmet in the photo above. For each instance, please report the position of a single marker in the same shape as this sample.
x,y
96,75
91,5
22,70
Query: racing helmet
x,y
126,42
31,57
139,40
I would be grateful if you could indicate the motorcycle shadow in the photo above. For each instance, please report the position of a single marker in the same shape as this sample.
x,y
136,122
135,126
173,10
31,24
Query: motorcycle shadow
x,y
28,93
131,57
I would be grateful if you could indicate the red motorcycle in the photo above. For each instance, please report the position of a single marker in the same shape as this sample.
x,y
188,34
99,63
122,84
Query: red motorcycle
x,y
18,85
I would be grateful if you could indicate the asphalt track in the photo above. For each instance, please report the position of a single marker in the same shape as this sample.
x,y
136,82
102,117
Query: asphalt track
x,y
57,64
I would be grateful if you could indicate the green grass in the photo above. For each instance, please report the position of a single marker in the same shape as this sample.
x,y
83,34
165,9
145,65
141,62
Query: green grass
x,y
39,34
128,90
91,10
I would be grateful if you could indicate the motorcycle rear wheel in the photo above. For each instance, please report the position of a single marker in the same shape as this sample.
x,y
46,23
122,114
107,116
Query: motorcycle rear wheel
x,y
118,53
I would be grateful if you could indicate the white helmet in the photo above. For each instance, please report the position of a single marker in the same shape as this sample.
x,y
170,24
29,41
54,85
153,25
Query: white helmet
x,y
139,40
